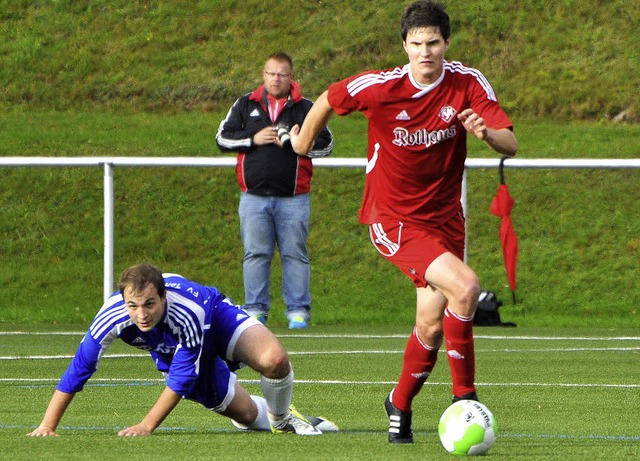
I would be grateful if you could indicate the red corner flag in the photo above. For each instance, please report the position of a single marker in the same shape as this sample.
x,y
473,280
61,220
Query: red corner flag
x,y
501,206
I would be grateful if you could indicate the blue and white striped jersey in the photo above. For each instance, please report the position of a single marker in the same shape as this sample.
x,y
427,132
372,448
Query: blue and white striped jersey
x,y
198,324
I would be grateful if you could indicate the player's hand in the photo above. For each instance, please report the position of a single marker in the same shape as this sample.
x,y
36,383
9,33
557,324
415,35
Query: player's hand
x,y
473,123
135,431
42,431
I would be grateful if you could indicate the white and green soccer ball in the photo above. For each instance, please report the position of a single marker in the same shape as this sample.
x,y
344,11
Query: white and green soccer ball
x,y
467,428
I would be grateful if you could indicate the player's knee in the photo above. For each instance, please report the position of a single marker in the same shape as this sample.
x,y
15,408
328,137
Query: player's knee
x,y
276,364
467,296
430,333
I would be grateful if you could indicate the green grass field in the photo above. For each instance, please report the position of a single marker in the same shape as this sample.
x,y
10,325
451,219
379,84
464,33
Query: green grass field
x,y
559,394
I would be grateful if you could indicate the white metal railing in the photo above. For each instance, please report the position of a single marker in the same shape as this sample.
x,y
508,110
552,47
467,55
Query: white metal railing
x,y
109,163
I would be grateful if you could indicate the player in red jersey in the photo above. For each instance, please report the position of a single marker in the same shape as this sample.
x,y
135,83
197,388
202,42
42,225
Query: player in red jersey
x,y
419,116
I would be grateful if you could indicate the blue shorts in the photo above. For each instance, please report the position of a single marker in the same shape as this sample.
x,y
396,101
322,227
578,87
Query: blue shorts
x,y
215,386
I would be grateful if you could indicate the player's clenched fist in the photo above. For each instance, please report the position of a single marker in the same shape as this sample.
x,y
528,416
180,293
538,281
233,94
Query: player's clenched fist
x,y
473,123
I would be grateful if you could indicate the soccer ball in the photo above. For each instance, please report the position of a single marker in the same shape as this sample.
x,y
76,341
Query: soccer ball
x,y
467,428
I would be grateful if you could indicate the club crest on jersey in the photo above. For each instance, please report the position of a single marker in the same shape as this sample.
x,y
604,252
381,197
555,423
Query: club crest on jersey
x,y
447,113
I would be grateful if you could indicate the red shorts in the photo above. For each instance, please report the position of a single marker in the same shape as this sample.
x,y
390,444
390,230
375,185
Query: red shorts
x,y
412,247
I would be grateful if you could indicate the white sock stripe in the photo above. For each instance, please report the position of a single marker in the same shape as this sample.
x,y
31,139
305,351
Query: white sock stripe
x,y
429,348
459,317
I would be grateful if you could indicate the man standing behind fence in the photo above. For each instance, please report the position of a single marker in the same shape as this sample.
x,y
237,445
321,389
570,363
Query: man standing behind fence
x,y
419,116
275,183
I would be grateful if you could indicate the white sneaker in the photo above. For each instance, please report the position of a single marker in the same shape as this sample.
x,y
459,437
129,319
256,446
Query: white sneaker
x,y
323,425
318,422
295,423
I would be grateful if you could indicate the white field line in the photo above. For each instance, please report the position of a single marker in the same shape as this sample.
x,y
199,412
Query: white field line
x,y
496,337
351,336
346,352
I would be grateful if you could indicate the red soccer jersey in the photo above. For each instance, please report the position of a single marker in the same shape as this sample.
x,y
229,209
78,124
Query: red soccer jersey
x,y
417,146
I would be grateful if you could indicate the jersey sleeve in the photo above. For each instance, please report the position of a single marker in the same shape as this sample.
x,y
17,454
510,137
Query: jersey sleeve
x,y
485,103
323,145
103,330
83,365
341,99
232,135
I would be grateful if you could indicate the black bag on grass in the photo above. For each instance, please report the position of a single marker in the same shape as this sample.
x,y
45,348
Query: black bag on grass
x,y
487,311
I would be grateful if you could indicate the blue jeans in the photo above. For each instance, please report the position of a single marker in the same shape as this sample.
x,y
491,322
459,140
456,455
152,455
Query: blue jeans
x,y
265,222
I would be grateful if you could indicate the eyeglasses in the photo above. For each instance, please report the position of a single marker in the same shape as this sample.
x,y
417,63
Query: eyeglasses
x,y
275,74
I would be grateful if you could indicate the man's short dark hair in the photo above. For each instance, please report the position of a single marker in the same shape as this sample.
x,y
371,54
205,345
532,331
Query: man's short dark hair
x,y
425,13
139,276
281,56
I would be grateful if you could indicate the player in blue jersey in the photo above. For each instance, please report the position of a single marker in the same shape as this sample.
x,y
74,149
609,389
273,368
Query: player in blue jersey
x,y
197,337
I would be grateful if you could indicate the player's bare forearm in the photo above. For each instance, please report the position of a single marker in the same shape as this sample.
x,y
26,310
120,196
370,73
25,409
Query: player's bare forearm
x,y
160,410
52,416
502,141
302,138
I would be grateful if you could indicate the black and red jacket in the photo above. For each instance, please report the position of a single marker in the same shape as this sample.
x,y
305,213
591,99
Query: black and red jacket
x,y
270,169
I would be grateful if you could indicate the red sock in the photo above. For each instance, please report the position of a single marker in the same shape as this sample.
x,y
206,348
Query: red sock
x,y
458,334
419,360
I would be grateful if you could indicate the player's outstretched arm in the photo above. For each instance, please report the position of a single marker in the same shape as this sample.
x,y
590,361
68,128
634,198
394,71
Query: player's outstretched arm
x,y
302,138
502,141
160,410
57,406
